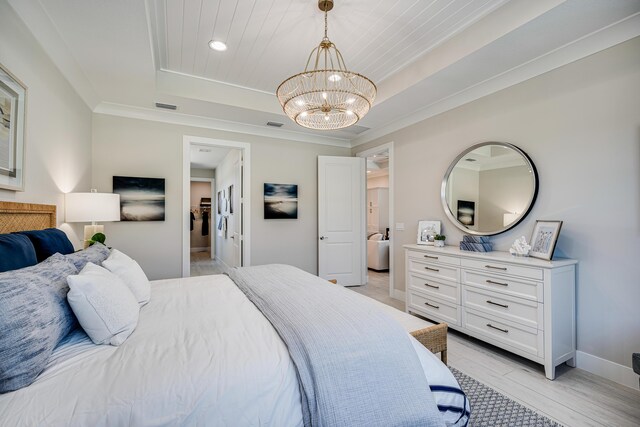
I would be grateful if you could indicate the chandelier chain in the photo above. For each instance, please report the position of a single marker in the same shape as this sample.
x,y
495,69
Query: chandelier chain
x,y
325,24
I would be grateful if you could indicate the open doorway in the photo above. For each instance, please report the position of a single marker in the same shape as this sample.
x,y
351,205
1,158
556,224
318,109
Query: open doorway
x,y
379,214
215,200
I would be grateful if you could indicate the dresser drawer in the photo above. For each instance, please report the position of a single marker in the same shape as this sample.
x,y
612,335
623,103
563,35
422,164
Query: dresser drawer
x,y
435,309
503,284
495,305
528,340
503,268
447,291
434,257
433,270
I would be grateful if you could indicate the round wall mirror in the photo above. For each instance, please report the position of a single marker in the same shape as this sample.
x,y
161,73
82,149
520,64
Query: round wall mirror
x,y
489,188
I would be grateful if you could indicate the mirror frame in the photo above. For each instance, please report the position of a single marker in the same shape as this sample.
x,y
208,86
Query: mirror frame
x,y
523,215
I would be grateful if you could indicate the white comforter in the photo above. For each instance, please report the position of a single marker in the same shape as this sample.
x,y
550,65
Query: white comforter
x,y
202,354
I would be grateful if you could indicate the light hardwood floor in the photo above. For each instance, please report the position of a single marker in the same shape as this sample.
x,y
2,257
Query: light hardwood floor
x,y
203,265
575,398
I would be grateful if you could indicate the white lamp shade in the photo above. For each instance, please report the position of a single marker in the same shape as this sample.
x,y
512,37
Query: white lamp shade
x,y
92,207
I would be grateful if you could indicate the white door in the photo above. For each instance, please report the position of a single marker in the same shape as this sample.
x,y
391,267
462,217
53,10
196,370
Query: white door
x,y
238,212
341,219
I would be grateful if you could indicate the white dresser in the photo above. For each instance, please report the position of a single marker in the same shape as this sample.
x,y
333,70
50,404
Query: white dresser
x,y
523,305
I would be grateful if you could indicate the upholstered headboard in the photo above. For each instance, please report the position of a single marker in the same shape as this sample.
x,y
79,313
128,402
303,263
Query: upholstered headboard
x,y
26,216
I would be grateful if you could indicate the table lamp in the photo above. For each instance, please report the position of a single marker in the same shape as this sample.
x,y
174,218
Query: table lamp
x,y
92,207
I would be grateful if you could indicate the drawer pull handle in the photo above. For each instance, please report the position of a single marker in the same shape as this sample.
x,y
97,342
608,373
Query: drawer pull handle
x,y
432,257
498,304
431,305
506,331
432,269
496,268
497,283
432,286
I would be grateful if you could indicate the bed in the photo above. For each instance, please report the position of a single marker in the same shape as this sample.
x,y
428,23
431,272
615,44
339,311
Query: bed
x,y
201,354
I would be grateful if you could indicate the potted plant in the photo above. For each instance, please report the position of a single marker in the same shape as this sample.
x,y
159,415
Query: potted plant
x,y
97,238
438,240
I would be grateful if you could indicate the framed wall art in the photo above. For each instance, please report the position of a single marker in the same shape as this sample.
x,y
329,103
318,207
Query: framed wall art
x,y
280,201
141,199
466,212
13,96
544,238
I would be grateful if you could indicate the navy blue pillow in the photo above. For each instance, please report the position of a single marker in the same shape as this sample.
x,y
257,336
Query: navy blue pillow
x,y
49,241
16,252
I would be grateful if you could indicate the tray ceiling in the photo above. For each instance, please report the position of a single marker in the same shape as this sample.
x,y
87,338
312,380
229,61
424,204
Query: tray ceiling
x,y
426,57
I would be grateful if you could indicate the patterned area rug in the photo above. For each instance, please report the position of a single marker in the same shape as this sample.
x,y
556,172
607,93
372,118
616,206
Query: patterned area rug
x,y
492,409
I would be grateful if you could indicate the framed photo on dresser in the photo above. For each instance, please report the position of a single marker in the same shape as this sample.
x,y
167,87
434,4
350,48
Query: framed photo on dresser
x,y
544,238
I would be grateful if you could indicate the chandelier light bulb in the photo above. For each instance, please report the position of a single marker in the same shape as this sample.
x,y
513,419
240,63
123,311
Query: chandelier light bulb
x,y
326,95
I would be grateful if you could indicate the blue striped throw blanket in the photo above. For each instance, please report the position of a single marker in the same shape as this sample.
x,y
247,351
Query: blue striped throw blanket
x,y
356,365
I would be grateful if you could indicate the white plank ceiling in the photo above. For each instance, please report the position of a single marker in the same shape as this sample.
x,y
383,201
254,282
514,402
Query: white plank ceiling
x,y
425,56
269,40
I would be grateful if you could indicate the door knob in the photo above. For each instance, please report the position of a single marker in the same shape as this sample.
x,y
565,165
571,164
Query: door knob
x,y
323,237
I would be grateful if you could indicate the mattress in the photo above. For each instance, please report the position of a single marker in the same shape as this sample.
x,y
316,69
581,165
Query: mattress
x,y
202,354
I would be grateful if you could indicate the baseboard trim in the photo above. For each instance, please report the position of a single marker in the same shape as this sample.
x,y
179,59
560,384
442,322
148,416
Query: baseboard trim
x,y
399,295
203,249
224,264
605,368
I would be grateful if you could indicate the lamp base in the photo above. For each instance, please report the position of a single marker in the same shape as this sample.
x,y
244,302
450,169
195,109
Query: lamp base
x,y
89,231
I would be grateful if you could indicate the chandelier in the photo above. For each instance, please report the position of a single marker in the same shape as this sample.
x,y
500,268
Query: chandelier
x,y
327,96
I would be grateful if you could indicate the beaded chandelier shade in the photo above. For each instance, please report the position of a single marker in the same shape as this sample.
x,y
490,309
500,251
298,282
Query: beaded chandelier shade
x,y
326,95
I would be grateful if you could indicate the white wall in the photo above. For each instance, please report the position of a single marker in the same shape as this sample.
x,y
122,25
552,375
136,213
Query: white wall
x,y
202,173
500,191
132,147
378,181
58,124
226,175
580,124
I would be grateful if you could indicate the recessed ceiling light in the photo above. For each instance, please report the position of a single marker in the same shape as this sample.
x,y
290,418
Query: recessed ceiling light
x,y
217,45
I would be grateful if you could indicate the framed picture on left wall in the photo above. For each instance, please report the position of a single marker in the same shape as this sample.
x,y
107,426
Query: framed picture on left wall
x,y
13,95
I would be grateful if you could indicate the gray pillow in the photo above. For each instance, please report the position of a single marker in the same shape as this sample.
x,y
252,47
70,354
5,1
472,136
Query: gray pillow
x,y
95,253
34,317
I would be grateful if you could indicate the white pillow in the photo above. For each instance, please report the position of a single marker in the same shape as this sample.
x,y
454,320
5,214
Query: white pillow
x,y
104,305
130,273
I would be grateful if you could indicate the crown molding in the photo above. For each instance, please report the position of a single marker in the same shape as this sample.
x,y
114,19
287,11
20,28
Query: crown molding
x,y
141,113
602,39
46,34
194,87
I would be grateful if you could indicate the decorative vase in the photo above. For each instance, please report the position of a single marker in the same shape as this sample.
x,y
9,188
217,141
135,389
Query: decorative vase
x,y
438,243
